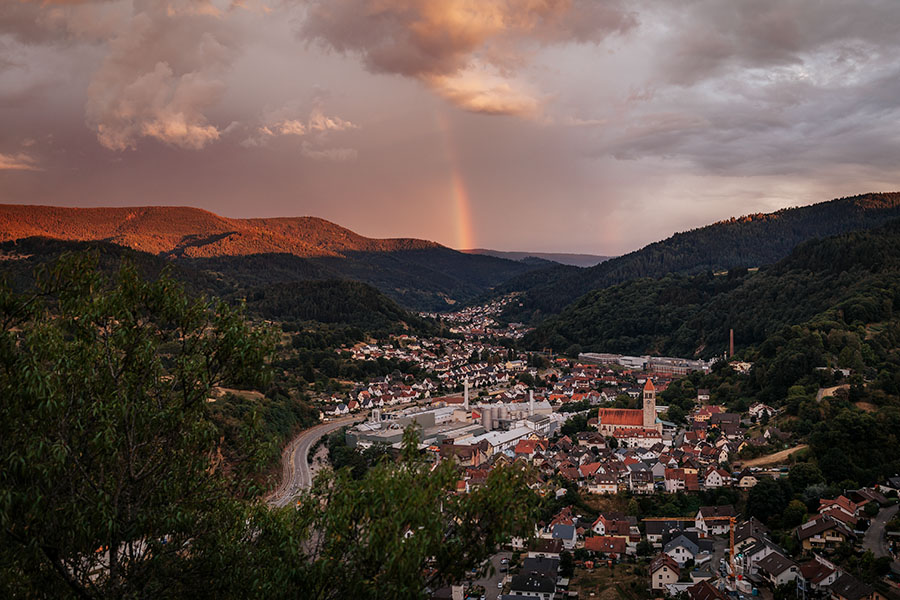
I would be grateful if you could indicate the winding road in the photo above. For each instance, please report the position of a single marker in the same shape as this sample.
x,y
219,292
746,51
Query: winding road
x,y
296,475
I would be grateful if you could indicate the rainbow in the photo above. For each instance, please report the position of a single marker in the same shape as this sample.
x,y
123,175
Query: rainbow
x,y
459,194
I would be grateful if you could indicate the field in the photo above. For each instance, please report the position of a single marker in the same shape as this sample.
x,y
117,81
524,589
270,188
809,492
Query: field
x,y
773,459
622,582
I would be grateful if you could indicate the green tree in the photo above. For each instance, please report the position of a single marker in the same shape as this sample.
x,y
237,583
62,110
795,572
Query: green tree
x,y
391,534
768,499
109,470
794,514
111,485
566,564
803,475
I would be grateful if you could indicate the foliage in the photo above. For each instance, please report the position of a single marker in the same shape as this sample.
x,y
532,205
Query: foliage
x,y
268,420
750,241
391,534
346,303
575,424
768,499
852,278
114,486
110,469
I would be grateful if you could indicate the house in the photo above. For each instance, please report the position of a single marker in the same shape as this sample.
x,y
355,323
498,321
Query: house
x,y
655,530
746,479
681,549
608,546
716,478
892,484
637,437
663,571
675,480
841,504
565,533
603,484
751,531
543,548
641,482
545,566
816,578
702,396
758,409
714,520
532,584
612,524
823,531
777,569
704,590
847,587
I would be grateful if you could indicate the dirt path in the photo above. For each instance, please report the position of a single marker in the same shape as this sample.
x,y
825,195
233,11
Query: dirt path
x,y
773,459
829,391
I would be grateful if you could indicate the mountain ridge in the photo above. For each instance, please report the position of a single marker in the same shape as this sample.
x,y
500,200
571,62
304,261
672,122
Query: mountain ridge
x,y
746,241
573,259
193,232
419,274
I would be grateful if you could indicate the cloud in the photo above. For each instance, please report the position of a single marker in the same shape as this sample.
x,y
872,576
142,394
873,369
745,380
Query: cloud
x,y
708,38
787,88
468,51
161,74
315,129
479,92
18,162
333,154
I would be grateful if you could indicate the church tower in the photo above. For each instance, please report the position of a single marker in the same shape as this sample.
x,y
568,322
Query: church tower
x,y
649,405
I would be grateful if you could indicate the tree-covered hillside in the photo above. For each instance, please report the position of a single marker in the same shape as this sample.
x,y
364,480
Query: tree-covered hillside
x,y
431,279
749,241
854,277
334,302
312,299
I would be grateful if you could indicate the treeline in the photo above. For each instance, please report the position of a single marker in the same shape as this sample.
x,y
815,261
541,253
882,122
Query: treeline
x,y
348,303
253,429
429,279
847,280
750,241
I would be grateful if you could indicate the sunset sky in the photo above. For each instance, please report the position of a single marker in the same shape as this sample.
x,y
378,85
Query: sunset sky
x,y
544,125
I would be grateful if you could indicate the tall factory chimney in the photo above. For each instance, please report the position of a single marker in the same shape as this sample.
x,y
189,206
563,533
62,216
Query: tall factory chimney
x,y
731,343
466,394
530,403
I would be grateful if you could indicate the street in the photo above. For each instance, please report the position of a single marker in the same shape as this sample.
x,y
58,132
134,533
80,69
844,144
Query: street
x,y
490,581
295,461
874,538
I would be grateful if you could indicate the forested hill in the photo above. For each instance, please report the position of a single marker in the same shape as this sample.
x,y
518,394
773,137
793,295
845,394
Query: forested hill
x,y
331,302
749,241
419,274
854,278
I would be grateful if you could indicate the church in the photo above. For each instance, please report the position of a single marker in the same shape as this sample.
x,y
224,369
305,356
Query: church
x,y
626,418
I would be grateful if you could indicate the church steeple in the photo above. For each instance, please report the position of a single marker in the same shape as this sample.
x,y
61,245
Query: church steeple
x,y
649,404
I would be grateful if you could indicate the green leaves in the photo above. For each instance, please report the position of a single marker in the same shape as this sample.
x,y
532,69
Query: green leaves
x,y
105,419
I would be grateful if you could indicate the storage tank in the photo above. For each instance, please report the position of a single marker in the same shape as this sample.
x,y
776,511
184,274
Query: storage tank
x,y
487,418
502,412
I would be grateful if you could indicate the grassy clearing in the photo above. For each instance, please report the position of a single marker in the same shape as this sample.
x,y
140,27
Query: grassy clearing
x,y
622,582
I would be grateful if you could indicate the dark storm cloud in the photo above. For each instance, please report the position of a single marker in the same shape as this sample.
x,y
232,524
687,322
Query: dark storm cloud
x,y
768,88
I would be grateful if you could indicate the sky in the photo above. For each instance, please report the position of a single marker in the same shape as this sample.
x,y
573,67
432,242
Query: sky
x,y
542,125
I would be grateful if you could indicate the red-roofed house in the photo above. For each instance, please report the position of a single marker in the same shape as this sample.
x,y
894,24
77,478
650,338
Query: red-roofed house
x,y
611,547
